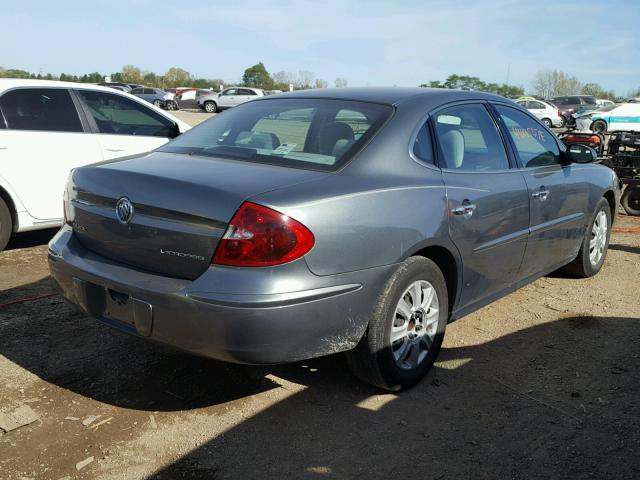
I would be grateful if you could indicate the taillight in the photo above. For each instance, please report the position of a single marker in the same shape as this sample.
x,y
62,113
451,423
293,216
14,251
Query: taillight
x,y
258,236
66,205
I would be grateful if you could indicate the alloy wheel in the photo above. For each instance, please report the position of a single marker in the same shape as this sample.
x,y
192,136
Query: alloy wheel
x,y
414,325
598,239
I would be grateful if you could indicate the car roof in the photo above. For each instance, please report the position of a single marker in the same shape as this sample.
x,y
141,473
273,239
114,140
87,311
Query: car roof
x,y
390,95
7,83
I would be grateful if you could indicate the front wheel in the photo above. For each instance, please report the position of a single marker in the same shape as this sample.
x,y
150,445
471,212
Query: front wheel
x,y
547,122
631,200
210,107
157,103
6,225
595,243
406,330
563,121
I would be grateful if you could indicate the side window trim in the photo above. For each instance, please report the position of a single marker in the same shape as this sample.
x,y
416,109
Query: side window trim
x,y
424,122
436,143
93,126
85,120
512,145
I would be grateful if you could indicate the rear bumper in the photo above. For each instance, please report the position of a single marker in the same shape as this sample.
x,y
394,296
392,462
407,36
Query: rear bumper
x,y
300,316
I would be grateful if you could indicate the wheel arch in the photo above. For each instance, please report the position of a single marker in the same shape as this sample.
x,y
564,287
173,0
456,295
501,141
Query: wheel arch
x,y
4,195
611,198
450,266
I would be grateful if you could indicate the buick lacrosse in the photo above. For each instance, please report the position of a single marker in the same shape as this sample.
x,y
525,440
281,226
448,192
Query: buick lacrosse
x,y
310,223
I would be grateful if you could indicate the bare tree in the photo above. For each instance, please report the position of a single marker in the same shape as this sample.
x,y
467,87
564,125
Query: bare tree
x,y
551,83
340,82
320,83
305,79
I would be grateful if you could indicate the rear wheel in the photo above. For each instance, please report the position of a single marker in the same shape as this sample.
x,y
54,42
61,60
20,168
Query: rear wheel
x,y
594,244
210,107
547,122
599,126
405,333
631,200
6,225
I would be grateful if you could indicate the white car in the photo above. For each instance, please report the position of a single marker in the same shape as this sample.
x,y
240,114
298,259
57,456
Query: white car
x,y
547,113
227,98
625,117
48,128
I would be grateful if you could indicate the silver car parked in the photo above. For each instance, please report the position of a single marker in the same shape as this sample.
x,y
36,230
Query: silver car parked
x,y
310,223
227,98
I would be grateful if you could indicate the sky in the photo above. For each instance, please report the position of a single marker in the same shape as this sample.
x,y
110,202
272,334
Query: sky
x,y
378,42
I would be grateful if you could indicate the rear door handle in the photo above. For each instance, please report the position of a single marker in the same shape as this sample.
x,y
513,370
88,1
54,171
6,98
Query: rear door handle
x,y
114,149
541,194
465,210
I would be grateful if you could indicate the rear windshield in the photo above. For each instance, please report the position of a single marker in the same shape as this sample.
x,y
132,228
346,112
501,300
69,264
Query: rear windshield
x,y
319,134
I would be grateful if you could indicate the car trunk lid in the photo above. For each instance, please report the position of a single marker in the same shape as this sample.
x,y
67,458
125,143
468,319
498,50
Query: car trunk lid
x,y
181,207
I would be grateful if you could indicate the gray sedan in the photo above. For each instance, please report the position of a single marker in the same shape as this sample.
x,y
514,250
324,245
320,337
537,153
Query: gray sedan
x,y
305,224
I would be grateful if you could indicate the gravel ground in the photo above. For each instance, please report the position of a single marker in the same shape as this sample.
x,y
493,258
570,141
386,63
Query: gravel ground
x,y
543,384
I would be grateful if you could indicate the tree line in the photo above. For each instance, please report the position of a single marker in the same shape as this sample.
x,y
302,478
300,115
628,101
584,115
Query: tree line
x,y
254,76
546,83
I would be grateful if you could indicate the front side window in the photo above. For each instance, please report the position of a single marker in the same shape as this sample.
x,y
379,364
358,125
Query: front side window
x,y
320,134
44,109
469,140
118,115
535,144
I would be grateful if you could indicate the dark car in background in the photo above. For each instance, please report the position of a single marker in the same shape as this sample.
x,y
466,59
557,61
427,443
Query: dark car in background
x,y
569,104
306,224
158,97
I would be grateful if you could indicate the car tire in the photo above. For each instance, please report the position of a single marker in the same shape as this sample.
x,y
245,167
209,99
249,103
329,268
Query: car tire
x,y
6,225
595,243
630,200
210,107
401,363
547,122
172,105
599,126
157,103
563,121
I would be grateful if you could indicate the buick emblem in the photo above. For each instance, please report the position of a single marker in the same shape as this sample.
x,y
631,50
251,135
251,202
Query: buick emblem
x,y
124,210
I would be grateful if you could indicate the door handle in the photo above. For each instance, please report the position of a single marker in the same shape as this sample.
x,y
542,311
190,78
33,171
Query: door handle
x,y
465,210
541,194
4,148
114,149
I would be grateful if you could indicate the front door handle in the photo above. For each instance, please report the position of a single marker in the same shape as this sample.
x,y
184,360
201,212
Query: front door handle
x,y
541,194
114,149
465,210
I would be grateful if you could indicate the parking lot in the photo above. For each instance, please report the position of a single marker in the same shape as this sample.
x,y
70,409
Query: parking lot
x,y
541,384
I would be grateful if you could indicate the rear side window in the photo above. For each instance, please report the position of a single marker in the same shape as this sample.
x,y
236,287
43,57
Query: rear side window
x,y
320,134
44,109
119,115
534,144
422,146
589,100
469,140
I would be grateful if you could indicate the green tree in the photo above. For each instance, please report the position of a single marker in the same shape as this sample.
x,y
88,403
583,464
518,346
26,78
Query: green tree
x,y
257,76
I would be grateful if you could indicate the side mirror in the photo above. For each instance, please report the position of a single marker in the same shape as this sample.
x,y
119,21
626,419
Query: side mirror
x,y
581,154
174,131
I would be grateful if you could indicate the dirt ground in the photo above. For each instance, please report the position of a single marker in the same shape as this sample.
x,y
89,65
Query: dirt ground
x,y
543,384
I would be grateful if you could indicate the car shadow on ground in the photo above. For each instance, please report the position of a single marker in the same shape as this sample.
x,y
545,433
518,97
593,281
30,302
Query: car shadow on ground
x,y
31,239
558,400
624,248
552,401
